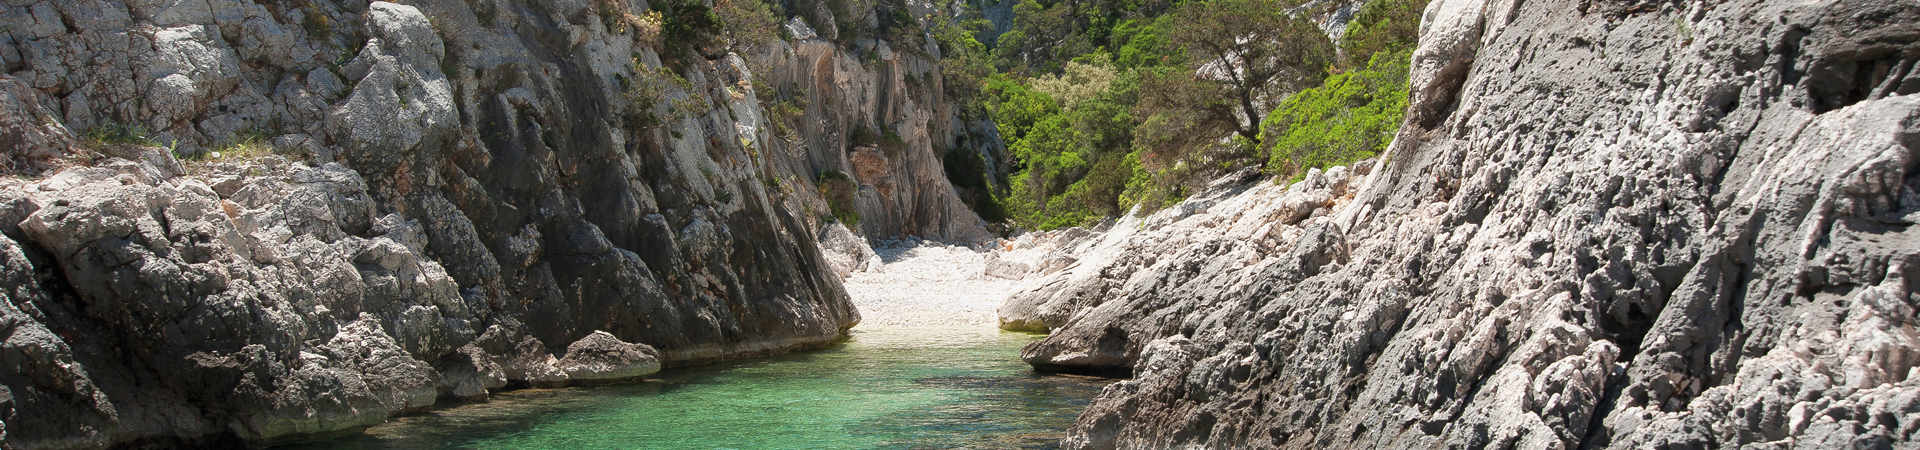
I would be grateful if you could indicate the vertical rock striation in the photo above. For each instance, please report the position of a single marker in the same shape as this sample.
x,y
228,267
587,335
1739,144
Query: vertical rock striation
x,y
418,201
1606,224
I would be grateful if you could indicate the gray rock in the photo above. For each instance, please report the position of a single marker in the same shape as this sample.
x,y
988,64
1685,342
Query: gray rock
x,y
470,374
846,252
602,357
997,267
451,194
1697,237
67,408
401,109
1233,225
902,186
357,378
31,135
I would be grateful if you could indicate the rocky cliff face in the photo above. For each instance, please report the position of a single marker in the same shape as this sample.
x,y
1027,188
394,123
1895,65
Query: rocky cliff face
x,y
416,202
1607,224
895,103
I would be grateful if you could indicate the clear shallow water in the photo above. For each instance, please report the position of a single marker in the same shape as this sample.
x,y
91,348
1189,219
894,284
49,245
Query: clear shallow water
x,y
889,388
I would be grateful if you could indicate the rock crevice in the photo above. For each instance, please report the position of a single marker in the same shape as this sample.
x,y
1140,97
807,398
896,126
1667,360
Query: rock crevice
x,y
252,220
1605,224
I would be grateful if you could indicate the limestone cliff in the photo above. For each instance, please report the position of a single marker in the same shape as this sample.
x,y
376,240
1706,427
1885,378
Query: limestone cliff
x,y
1605,224
415,202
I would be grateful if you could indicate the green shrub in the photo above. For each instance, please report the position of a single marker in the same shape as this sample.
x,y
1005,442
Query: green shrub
x,y
116,133
839,190
685,24
652,87
747,23
893,145
964,62
967,171
1101,108
1352,116
1381,26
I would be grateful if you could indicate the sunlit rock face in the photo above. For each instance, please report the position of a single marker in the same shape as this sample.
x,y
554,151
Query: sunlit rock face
x,y
419,201
1610,224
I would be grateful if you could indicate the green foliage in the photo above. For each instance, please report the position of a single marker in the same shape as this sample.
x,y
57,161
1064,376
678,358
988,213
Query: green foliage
x,y
786,113
1151,189
1352,116
1081,81
850,18
967,171
246,145
839,190
1181,115
1144,43
1110,104
115,133
684,24
1043,38
746,23
652,87
616,15
1253,50
1381,26
964,62
899,25
1016,107
1072,161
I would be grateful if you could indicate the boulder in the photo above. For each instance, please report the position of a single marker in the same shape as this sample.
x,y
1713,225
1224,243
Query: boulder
x,y
845,252
997,267
602,357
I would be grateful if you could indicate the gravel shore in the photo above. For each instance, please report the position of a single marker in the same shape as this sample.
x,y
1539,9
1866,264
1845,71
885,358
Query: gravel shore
x,y
927,285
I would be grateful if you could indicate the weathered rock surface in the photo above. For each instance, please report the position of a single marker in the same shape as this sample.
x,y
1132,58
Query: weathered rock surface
x,y
846,252
601,357
30,128
1003,268
1607,224
896,104
457,198
1233,223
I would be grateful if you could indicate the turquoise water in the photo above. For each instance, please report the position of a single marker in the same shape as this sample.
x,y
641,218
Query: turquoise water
x,y
902,388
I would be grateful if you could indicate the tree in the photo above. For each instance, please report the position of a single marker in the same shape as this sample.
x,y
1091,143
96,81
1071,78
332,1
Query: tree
x,y
1254,49
1043,37
964,62
1180,115
746,23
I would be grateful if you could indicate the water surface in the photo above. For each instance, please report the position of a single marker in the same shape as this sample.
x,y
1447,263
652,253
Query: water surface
x,y
886,388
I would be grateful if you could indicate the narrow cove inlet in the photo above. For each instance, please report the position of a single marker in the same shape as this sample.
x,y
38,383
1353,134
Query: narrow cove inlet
x,y
925,368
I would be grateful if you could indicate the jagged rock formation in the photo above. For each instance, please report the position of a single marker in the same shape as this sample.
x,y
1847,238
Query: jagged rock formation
x,y
1233,222
1606,223
439,199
